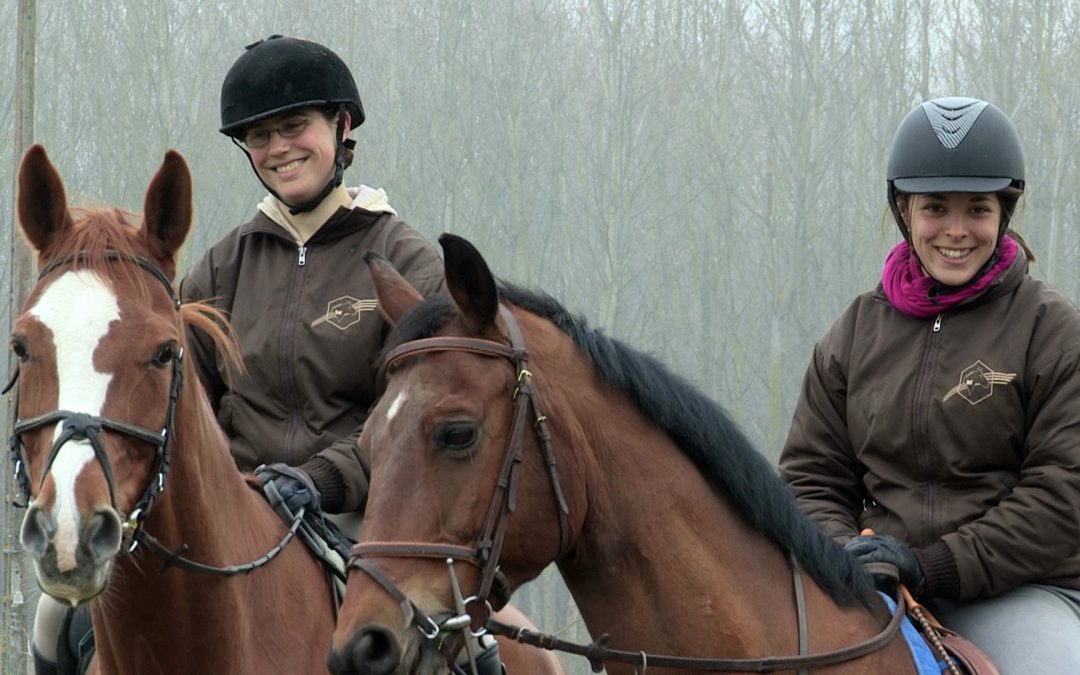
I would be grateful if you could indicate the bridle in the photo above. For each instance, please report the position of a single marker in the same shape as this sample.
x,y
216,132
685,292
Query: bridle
x,y
78,426
475,612
85,427
485,552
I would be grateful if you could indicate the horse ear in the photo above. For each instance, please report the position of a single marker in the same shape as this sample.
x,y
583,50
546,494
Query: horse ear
x,y
42,202
396,295
168,210
471,284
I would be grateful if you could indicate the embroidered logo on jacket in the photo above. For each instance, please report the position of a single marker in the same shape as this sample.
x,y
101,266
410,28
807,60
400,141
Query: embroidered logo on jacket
x,y
345,311
977,383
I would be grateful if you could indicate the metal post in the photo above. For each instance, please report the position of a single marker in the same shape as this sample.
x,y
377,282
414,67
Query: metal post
x,y
19,594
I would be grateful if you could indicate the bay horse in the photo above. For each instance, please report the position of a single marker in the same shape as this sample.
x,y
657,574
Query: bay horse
x,y
115,439
511,435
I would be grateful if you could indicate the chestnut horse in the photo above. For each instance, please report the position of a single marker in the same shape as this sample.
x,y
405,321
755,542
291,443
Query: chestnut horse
x,y
673,534
101,374
100,345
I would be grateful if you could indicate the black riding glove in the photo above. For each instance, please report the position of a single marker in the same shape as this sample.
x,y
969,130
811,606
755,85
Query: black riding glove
x,y
288,485
883,548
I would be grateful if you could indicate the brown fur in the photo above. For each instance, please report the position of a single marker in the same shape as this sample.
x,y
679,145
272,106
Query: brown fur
x,y
659,558
276,619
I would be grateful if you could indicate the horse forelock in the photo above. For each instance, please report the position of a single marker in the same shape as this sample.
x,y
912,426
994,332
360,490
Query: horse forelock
x,y
423,321
95,235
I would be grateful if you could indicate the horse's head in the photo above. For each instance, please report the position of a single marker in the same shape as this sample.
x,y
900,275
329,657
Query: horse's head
x,y
98,349
454,447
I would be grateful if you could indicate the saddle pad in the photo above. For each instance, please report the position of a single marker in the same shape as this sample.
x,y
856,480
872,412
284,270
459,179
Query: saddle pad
x,y
925,661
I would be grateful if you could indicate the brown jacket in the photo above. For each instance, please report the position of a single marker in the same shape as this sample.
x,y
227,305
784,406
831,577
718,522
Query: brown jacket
x,y
309,330
958,434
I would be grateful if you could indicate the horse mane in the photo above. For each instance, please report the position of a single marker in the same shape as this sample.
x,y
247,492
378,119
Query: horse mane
x,y
214,323
700,427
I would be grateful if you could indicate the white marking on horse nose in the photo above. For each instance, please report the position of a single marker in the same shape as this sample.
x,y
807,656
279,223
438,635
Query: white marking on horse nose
x,y
395,406
78,309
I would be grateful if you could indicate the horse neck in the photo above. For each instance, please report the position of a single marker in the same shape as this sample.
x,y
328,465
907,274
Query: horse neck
x,y
204,506
178,618
657,536
205,498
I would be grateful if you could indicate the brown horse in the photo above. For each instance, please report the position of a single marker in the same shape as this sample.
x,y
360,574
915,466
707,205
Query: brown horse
x,y
100,346
672,533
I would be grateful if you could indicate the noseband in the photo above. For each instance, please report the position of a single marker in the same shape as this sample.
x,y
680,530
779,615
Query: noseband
x,y
485,553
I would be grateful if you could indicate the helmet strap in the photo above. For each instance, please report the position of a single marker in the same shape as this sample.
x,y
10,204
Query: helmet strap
x,y
899,217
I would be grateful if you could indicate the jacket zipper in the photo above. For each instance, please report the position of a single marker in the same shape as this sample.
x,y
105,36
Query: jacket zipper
x,y
302,256
922,422
287,349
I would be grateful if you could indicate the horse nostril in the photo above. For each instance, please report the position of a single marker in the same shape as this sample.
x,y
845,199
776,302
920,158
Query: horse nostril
x,y
38,529
102,535
373,651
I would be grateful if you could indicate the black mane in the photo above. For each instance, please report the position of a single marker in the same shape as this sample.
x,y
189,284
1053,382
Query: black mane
x,y
699,426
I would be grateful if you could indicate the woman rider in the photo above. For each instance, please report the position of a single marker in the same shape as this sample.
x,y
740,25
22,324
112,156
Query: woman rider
x,y
940,410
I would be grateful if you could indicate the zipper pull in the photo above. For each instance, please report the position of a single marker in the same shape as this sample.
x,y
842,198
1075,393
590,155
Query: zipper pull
x,y
302,260
937,321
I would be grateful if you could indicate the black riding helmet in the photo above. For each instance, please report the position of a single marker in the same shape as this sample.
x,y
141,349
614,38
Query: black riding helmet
x,y
279,74
956,144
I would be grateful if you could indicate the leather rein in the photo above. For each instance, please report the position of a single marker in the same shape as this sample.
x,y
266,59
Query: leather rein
x,y
475,612
78,426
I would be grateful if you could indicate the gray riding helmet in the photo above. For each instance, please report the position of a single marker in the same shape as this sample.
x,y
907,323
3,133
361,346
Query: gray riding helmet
x,y
955,144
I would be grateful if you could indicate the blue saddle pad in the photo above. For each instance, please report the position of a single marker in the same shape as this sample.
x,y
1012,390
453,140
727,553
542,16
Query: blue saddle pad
x,y
925,661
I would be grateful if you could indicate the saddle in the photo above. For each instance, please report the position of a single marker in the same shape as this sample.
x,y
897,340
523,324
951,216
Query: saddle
x,y
959,654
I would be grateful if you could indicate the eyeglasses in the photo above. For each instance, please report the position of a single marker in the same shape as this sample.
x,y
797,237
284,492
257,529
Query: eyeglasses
x,y
290,128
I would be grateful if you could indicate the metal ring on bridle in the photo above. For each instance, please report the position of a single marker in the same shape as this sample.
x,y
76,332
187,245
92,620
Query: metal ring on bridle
x,y
482,631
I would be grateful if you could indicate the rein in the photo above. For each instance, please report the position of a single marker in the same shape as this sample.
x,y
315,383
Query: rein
x,y
485,553
597,652
86,427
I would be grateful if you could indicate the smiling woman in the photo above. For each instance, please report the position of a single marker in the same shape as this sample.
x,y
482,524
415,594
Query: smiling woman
x,y
939,409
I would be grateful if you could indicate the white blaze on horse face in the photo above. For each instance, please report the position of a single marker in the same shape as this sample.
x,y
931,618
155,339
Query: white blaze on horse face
x,y
77,308
395,406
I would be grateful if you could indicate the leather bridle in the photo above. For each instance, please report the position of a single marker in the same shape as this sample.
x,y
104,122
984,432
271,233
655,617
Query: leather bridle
x,y
485,553
86,427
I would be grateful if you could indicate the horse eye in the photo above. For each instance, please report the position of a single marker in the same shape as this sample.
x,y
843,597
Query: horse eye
x,y
18,348
457,436
165,354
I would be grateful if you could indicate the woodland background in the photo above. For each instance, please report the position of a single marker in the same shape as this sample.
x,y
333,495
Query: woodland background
x,y
701,178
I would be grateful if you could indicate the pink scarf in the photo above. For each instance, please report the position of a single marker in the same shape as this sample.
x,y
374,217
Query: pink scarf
x,y
908,288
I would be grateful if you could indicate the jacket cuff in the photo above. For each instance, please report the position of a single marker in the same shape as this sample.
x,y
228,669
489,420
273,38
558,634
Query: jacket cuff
x,y
942,578
328,481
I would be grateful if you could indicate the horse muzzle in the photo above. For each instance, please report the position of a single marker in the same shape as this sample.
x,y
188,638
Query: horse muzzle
x,y
377,650
72,559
